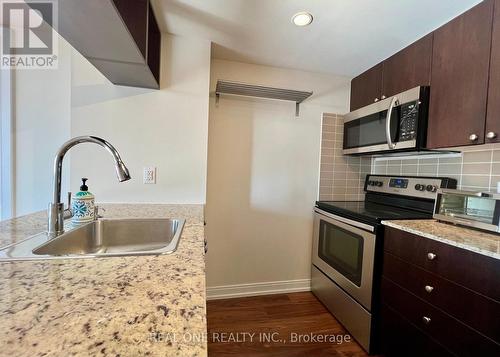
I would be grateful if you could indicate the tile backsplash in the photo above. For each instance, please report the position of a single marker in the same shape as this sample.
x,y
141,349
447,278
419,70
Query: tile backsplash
x,y
341,177
475,168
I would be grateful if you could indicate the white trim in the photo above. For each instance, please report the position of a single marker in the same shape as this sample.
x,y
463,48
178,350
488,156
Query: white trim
x,y
256,289
7,209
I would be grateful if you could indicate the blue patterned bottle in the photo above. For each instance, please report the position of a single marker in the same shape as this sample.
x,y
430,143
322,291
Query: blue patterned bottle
x,y
82,205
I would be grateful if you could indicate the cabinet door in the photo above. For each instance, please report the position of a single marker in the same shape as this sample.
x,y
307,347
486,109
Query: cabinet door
x,y
454,335
493,113
409,68
402,338
459,80
474,271
367,87
484,314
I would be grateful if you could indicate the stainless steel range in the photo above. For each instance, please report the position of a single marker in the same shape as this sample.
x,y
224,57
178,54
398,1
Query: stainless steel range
x,y
347,247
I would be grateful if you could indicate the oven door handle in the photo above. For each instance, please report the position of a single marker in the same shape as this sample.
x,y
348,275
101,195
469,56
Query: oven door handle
x,y
394,102
360,225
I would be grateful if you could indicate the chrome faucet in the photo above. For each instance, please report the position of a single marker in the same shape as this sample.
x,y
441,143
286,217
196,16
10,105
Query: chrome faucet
x,y
57,213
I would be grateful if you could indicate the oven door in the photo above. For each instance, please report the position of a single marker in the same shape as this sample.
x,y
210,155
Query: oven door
x,y
344,250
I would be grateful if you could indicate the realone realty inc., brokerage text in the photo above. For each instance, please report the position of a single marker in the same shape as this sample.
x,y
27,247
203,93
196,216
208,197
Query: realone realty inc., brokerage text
x,y
248,337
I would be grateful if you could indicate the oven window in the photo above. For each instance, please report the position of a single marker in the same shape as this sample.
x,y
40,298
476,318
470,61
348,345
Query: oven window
x,y
370,130
342,250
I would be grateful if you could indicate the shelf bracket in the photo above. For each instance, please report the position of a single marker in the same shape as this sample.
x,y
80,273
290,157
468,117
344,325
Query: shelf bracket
x,y
297,109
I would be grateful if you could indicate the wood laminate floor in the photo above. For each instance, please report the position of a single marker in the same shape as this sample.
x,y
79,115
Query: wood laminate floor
x,y
271,326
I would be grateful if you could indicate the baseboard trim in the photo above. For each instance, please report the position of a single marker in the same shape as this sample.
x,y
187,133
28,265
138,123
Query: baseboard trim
x,y
256,289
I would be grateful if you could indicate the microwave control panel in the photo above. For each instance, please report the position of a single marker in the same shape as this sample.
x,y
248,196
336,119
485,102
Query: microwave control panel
x,y
408,121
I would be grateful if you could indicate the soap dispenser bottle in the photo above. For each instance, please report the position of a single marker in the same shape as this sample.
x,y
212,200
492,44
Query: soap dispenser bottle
x,y
83,205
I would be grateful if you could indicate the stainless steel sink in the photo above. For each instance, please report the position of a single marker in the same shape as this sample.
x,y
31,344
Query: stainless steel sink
x,y
102,238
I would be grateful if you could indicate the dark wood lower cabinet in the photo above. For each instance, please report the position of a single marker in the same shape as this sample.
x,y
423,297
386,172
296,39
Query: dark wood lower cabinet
x,y
476,310
451,333
444,306
400,338
477,272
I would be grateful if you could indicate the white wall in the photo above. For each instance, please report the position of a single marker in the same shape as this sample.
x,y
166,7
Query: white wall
x,y
41,123
166,128
6,142
263,172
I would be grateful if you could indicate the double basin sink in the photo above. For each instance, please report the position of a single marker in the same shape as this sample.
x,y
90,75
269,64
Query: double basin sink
x,y
101,238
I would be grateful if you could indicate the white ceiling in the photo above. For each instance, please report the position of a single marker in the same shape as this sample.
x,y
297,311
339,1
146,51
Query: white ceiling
x,y
346,37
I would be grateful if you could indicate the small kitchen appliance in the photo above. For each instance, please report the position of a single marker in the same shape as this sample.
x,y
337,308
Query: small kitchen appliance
x,y
473,209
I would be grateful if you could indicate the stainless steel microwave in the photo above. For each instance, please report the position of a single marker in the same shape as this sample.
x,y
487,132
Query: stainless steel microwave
x,y
395,124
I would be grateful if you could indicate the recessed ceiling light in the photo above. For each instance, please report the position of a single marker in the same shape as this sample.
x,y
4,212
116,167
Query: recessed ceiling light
x,y
302,18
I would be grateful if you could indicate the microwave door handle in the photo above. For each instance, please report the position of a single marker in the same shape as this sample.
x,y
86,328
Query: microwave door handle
x,y
394,102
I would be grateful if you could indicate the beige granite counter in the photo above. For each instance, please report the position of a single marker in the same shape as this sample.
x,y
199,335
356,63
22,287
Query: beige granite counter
x,y
474,240
116,306
16,229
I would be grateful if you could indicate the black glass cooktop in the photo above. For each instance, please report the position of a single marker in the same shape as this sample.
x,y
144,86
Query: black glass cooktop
x,y
369,212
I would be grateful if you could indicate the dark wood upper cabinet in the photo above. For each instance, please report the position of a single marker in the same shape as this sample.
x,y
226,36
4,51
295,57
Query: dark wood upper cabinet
x,y
409,68
492,132
135,16
154,45
367,87
119,37
459,80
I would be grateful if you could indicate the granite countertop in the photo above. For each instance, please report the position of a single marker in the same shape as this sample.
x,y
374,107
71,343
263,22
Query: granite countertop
x,y
474,240
116,306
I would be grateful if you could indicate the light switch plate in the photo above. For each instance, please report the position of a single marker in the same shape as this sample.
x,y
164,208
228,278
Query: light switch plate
x,y
149,176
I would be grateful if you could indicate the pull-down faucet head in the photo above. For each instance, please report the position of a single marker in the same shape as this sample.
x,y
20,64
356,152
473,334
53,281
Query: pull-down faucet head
x,y
122,171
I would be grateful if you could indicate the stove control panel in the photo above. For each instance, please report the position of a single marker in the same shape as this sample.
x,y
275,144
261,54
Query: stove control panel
x,y
398,183
428,188
421,187
376,183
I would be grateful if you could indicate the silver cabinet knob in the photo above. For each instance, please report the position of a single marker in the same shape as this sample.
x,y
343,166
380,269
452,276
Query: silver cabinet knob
x,y
431,256
376,100
383,97
473,137
429,288
491,135
426,320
